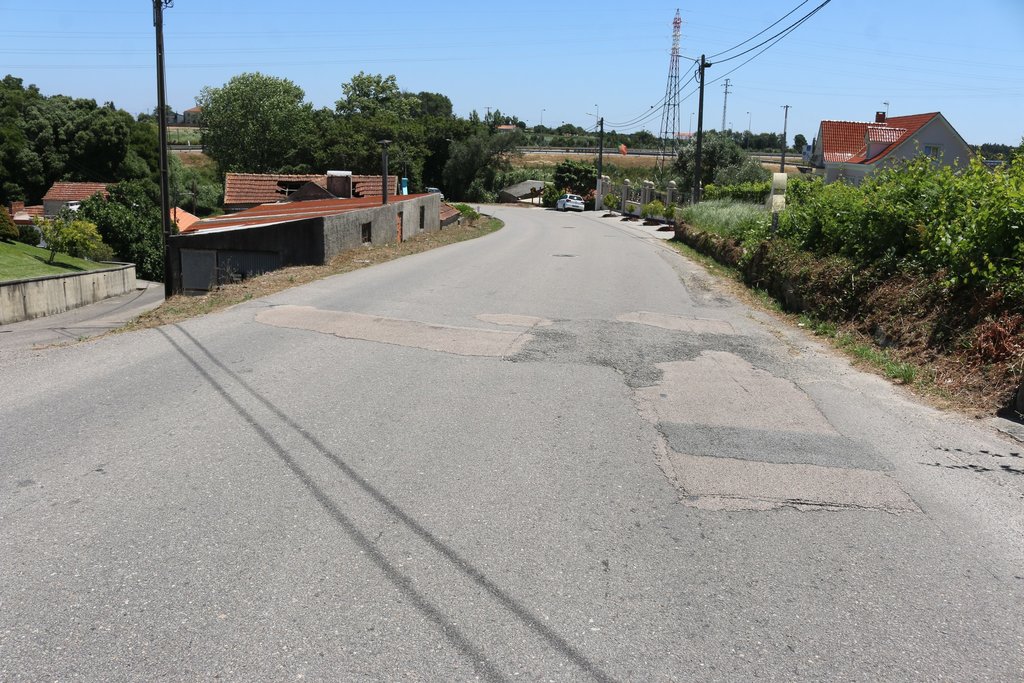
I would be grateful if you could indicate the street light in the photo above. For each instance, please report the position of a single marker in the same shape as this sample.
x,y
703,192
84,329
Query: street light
x,y
542,116
384,169
690,127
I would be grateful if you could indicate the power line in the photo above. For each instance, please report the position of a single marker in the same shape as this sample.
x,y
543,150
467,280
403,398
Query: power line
x,y
767,28
782,33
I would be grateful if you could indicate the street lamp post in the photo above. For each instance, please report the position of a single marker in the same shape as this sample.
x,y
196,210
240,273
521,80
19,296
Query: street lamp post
x,y
690,128
384,169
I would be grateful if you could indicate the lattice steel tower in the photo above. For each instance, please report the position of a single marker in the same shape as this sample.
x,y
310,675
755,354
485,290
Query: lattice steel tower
x,y
670,110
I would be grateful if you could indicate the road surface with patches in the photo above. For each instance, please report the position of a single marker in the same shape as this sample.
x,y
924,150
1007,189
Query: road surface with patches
x,y
559,452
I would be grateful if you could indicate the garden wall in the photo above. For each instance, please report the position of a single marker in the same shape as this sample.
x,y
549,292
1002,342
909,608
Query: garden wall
x,y
36,297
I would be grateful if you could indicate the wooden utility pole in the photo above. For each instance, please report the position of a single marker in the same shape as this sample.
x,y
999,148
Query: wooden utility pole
x,y
161,105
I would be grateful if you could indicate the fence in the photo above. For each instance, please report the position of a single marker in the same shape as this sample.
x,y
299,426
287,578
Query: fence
x,y
633,197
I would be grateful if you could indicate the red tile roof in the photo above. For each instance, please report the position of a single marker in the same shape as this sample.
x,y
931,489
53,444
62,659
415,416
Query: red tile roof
x,y
194,110
448,212
286,212
67,192
261,188
369,185
846,141
183,218
25,214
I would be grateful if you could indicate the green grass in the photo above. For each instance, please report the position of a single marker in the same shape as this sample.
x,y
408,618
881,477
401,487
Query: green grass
x,y
728,218
183,136
905,373
19,261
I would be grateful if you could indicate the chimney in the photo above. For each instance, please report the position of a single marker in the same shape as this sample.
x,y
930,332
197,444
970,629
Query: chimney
x,y
339,183
879,117
17,207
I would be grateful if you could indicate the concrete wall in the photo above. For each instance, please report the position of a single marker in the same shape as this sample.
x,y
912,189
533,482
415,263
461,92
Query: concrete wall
x,y
36,297
344,231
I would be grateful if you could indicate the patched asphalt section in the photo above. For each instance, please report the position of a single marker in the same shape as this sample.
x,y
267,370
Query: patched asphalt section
x,y
633,349
763,445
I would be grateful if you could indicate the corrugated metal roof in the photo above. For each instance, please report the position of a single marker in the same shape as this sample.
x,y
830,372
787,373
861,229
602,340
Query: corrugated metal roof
x,y
287,212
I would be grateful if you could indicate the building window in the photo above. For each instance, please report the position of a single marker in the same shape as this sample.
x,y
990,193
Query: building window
x,y
933,151
423,216
367,233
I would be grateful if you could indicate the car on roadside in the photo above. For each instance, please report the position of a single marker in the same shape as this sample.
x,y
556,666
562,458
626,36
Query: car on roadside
x,y
434,190
569,202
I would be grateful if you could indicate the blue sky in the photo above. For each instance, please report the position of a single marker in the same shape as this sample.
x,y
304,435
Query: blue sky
x,y
560,61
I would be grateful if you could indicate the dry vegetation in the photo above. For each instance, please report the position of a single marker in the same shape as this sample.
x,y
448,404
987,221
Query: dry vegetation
x,y
179,307
610,157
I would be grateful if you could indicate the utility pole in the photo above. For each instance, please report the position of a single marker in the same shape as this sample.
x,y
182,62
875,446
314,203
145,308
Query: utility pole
x,y
161,118
725,102
697,189
785,122
600,153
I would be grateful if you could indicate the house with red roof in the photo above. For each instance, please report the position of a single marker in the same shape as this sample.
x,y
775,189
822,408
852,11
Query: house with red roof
x,y
850,150
63,193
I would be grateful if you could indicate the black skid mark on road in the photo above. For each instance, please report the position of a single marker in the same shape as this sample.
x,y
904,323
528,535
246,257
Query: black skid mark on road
x,y
632,349
458,638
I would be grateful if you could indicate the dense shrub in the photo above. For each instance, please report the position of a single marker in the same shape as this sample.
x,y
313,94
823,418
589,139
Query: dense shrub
x,y
652,209
577,176
467,211
748,171
550,195
28,234
752,192
966,222
611,202
8,230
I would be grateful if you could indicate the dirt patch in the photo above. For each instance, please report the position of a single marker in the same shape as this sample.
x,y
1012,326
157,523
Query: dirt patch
x,y
179,307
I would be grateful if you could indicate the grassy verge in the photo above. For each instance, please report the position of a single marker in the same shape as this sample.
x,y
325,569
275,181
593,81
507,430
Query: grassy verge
x,y
178,308
860,349
19,261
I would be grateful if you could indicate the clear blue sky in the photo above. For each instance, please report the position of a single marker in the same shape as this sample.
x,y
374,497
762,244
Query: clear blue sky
x,y
559,60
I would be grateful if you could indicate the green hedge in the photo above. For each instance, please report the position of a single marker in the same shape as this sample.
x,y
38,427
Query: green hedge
x,y
754,193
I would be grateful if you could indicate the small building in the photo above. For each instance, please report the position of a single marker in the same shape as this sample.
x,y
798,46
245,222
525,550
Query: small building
x,y
528,189
294,232
62,193
25,215
192,117
850,150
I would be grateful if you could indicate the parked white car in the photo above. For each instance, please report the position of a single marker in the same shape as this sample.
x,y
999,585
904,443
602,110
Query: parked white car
x,y
569,202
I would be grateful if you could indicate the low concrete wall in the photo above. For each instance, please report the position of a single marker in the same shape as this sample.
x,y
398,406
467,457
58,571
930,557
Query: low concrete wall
x,y
36,297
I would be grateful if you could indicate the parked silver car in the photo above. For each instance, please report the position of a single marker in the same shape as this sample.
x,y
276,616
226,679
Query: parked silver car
x,y
569,202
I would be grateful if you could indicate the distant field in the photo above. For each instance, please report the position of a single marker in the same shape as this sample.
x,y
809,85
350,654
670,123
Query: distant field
x,y
610,157
19,261
184,135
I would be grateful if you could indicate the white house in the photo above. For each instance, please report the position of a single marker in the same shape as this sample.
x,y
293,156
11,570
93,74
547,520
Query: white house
x,y
849,150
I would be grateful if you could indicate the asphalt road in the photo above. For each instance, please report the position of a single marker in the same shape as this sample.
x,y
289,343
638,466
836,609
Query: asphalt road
x,y
559,452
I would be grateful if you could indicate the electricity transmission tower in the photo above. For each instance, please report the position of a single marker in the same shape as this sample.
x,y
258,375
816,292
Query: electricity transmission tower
x,y
670,110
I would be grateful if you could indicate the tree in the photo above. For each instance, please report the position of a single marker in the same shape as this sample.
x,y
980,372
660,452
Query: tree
x,y
8,230
129,221
575,176
475,161
253,123
799,142
67,233
719,151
